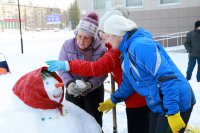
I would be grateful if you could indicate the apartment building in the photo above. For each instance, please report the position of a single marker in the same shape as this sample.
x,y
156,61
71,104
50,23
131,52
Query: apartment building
x,y
157,16
32,17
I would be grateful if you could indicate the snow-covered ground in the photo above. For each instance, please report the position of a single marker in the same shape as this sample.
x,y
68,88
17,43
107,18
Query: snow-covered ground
x,y
45,45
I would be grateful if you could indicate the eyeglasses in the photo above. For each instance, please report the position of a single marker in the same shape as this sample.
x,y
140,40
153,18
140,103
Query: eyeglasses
x,y
85,38
100,34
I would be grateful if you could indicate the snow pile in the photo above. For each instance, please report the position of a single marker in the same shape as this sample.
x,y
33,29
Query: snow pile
x,y
25,119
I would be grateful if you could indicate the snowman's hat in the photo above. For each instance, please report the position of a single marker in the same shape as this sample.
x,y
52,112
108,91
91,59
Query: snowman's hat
x,y
30,89
4,69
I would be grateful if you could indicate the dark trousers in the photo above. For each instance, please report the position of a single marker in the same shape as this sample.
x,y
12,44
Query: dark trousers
x,y
159,123
138,119
90,102
191,65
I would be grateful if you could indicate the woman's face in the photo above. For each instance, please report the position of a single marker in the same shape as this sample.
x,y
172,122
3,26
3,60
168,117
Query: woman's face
x,y
113,40
83,39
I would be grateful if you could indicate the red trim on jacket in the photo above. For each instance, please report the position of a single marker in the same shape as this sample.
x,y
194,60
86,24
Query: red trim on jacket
x,y
108,63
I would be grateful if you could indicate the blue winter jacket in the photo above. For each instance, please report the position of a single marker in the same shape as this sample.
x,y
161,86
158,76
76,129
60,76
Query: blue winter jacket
x,y
148,70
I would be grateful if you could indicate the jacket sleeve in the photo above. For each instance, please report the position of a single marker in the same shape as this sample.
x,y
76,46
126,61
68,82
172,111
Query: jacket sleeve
x,y
187,43
156,62
125,89
66,76
102,66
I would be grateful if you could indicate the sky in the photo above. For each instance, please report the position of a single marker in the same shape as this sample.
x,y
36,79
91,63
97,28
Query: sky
x,y
16,117
63,4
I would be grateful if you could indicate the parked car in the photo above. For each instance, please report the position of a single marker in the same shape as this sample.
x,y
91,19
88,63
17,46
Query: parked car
x,y
56,29
27,28
38,30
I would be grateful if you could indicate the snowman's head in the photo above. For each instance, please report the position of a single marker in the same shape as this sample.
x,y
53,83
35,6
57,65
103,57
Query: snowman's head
x,y
40,89
52,87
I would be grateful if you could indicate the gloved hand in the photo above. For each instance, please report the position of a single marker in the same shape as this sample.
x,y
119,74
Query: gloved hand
x,y
106,106
176,122
56,65
82,86
72,91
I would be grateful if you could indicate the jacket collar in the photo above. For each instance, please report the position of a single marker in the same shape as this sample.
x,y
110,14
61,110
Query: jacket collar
x,y
124,45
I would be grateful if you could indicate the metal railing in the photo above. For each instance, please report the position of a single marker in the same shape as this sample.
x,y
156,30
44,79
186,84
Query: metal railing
x,y
173,39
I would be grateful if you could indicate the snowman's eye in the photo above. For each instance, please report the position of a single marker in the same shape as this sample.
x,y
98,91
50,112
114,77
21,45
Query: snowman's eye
x,y
47,83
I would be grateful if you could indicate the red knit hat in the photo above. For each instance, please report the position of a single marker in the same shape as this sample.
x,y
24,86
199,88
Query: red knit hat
x,y
30,89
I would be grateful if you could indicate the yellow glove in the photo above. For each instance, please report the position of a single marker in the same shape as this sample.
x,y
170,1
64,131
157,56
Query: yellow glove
x,y
176,122
106,106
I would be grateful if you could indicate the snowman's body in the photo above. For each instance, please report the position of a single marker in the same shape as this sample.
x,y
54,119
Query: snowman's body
x,y
31,120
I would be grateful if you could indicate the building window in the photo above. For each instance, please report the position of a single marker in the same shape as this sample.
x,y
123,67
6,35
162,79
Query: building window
x,y
102,4
162,2
132,3
99,4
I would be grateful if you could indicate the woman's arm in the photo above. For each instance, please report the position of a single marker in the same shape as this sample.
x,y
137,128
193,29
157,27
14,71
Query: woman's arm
x,y
66,76
104,65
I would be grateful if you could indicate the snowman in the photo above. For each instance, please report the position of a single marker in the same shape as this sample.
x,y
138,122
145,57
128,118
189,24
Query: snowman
x,y
39,108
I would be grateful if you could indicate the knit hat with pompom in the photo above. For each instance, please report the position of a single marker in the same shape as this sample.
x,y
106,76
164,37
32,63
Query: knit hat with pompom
x,y
89,24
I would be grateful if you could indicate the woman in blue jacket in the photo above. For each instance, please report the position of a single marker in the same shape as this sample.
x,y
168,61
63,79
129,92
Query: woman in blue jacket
x,y
149,70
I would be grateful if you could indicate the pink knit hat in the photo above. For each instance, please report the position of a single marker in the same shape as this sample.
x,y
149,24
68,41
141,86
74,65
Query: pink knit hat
x,y
89,24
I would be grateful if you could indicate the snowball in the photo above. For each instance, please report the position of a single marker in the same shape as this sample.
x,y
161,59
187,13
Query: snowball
x,y
80,84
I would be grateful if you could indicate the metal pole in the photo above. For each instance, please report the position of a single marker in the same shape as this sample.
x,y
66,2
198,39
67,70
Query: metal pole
x,y
1,25
20,27
114,109
181,38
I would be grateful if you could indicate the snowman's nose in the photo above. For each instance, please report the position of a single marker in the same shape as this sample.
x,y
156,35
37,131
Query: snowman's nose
x,y
59,85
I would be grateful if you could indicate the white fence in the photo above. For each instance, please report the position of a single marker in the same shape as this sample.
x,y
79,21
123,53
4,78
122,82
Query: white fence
x,y
173,39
